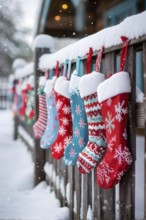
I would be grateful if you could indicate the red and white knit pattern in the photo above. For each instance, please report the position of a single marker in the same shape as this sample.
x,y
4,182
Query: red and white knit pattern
x,y
94,151
65,130
118,158
40,125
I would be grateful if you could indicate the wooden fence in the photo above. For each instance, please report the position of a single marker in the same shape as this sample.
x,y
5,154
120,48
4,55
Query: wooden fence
x,y
80,192
3,98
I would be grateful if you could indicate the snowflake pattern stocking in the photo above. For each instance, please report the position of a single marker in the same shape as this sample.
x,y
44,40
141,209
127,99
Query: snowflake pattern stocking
x,y
80,129
64,115
113,95
96,145
52,127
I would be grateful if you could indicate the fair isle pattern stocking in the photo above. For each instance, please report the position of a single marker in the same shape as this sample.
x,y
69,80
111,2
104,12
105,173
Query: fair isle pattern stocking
x,y
80,129
113,95
64,115
52,127
96,145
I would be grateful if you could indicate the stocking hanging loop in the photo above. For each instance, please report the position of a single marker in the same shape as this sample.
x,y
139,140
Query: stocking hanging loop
x,y
65,68
125,40
47,74
69,69
57,69
88,61
98,60
79,66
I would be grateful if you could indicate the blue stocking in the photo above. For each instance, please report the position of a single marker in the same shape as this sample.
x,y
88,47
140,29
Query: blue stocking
x,y
79,119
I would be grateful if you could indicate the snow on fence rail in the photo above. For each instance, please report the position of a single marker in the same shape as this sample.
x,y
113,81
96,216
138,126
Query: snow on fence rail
x,y
132,27
25,71
79,192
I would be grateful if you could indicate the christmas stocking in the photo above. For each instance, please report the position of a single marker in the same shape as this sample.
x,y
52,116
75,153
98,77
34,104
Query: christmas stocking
x,y
113,95
79,119
96,145
52,127
24,99
64,115
29,113
40,125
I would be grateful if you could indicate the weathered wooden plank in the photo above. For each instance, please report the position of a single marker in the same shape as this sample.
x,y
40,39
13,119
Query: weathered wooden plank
x,y
107,198
127,184
65,176
144,67
77,196
96,199
71,181
85,196
39,153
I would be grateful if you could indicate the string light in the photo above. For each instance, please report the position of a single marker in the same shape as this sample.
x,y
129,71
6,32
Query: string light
x,y
64,6
57,17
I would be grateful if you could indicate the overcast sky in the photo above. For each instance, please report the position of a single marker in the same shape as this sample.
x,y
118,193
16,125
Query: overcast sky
x,y
30,9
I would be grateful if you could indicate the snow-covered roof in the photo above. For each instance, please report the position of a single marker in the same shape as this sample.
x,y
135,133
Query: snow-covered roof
x,y
132,27
18,63
25,71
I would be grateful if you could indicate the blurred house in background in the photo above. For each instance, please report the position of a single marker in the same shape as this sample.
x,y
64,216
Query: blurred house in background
x,y
74,19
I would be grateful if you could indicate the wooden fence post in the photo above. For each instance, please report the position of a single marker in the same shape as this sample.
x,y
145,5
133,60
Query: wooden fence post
x,y
39,153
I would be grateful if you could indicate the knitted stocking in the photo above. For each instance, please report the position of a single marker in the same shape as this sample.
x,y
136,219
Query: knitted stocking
x,y
80,129
96,145
113,95
64,114
29,113
52,127
40,125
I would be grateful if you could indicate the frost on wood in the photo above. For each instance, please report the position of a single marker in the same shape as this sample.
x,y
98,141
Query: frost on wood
x,y
89,213
44,41
48,169
132,27
68,192
26,136
62,187
75,202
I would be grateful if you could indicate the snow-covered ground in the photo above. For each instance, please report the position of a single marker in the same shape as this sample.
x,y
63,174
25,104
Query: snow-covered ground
x,y
18,199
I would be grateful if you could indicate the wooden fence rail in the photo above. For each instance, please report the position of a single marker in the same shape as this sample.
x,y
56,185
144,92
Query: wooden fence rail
x,y
80,192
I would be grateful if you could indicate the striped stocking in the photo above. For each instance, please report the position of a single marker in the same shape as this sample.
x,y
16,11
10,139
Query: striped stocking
x,y
96,146
40,125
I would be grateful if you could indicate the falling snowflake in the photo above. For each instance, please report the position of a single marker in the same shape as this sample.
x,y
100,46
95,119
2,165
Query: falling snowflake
x,y
58,148
78,110
82,123
65,121
125,134
66,109
109,102
67,140
120,110
109,123
104,172
122,155
81,142
59,104
76,132
111,143
62,131
72,152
